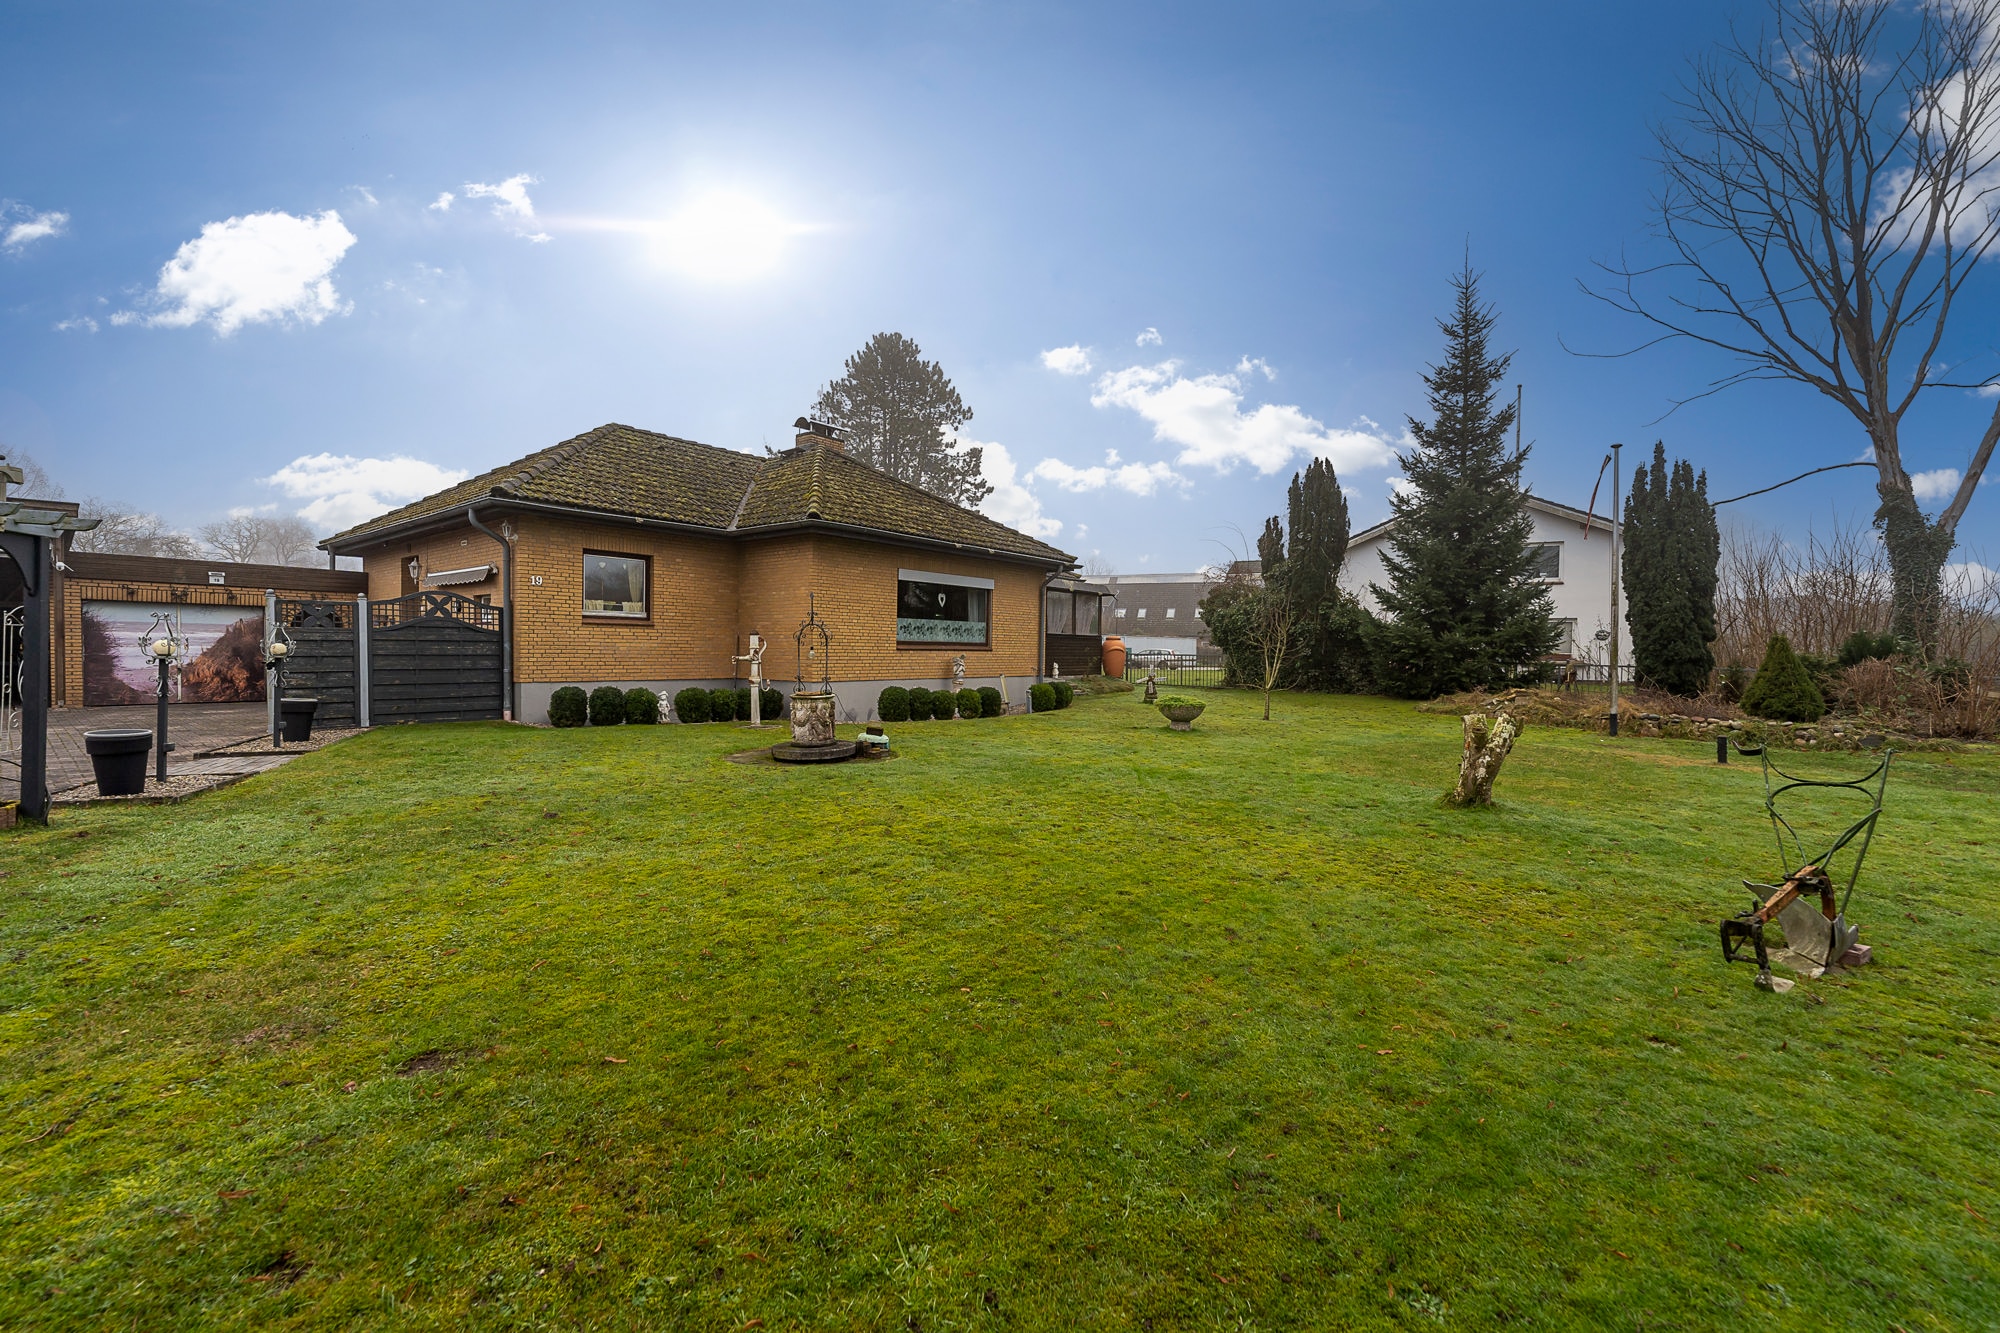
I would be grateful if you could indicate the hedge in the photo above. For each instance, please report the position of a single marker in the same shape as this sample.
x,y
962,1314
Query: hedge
x,y
568,707
642,707
722,705
691,704
1042,699
920,704
893,704
771,701
1065,693
743,703
969,704
991,702
607,706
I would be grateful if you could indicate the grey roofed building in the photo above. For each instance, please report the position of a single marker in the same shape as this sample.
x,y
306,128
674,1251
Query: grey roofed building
x,y
1160,612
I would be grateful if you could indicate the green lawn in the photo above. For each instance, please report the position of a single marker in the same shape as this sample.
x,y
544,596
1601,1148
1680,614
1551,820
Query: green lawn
x,y
1056,1022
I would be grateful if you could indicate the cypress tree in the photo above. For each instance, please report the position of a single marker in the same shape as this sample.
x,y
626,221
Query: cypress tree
x,y
1672,548
1462,607
1783,689
1332,650
1271,550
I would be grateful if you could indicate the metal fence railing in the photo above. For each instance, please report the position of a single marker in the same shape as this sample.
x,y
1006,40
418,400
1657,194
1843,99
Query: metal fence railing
x,y
12,621
1178,670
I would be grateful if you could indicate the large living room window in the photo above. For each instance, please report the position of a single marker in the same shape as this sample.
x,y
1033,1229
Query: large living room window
x,y
942,608
614,585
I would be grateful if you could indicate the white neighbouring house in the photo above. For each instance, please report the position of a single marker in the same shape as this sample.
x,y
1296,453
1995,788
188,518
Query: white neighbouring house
x,y
1576,568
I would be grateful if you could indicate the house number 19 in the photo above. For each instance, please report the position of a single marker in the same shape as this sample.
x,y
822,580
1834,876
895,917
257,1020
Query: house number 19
x,y
534,580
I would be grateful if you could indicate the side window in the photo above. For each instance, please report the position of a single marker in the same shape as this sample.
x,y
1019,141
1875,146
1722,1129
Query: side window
x,y
1547,560
1061,611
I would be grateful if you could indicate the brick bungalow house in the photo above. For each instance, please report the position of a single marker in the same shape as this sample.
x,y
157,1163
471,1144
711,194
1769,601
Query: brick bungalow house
x,y
637,559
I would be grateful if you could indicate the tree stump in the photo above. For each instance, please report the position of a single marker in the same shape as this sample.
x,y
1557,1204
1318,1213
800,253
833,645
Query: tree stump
x,y
1486,747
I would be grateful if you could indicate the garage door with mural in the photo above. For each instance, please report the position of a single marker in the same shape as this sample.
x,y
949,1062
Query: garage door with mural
x,y
222,662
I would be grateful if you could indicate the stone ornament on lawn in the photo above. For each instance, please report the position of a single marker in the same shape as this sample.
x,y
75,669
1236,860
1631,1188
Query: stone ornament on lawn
x,y
1181,711
1486,747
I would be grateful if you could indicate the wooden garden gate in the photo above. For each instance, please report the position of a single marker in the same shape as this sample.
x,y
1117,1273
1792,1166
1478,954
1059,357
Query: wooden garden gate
x,y
427,657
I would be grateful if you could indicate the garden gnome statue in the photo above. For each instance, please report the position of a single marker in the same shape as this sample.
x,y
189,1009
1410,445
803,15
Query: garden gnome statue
x,y
957,680
1152,686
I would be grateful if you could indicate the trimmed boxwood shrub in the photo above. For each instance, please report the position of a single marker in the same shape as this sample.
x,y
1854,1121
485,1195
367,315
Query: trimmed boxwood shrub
x,y
742,703
771,700
920,704
893,704
642,707
968,704
992,703
1065,693
607,706
722,705
1042,699
691,704
1782,690
568,707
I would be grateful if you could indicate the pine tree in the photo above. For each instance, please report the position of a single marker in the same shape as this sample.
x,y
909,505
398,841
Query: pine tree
x,y
1332,653
902,415
1672,548
1462,607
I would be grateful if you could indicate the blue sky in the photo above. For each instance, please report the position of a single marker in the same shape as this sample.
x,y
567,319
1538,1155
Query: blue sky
x,y
239,284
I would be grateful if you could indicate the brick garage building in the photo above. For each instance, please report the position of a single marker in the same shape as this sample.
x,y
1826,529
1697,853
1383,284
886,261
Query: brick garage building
x,y
637,559
119,593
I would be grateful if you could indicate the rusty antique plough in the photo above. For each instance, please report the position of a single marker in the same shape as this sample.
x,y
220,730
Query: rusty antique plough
x,y
1817,933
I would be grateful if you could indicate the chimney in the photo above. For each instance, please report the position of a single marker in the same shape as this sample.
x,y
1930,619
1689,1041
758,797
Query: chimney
x,y
818,432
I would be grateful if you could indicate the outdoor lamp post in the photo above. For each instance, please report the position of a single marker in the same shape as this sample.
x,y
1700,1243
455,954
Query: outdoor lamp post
x,y
163,645
277,648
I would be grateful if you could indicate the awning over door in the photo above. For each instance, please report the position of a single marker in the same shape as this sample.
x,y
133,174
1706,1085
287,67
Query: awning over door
x,y
446,578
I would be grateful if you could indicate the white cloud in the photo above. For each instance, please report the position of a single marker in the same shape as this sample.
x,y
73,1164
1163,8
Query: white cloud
x,y
1970,579
510,197
36,227
1138,478
367,195
1204,415
252,270
84,322
442,204
1937,484
1010,502
1256,363
342,490
249,511
1989,391
1148,338
1071,360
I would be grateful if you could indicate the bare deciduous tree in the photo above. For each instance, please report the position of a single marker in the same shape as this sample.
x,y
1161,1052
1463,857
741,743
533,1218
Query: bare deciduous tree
x,y
124,530
1831,187
265,539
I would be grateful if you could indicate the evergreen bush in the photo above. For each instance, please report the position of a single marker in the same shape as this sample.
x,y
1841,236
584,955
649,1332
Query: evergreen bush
x,y
1065,693
1672,549
691,704
1782,690
1861,646
607,706
642,707
920,704
1042,699
722,705
569,707
771,700
893,704
992,703
968,703
743,703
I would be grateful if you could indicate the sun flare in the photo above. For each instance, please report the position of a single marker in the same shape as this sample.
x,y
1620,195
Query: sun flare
x,y
724,237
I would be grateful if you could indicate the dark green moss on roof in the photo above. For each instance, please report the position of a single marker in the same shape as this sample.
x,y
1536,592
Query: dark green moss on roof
x,y
629,472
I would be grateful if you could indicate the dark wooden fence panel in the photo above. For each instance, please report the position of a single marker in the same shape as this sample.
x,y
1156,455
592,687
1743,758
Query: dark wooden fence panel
x,y
324,662
1076,654
433,657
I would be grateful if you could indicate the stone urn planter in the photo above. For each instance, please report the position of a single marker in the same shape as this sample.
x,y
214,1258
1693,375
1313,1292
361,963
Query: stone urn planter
x,y
118,755
1181,713
296,717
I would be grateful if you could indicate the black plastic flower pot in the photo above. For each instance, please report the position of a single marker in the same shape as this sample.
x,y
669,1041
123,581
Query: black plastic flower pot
x,y
296,716
119,757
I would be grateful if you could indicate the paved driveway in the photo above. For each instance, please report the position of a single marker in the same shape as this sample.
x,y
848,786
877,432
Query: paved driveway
x,y
191,728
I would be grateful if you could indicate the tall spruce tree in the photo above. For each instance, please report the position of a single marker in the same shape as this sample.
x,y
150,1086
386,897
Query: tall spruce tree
x,y
1462,608
1672,548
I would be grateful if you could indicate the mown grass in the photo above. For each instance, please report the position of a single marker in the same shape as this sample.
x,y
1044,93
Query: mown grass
x,y
1053,1022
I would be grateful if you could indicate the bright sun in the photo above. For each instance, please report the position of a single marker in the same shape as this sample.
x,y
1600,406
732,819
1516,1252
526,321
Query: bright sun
x,y
724,237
